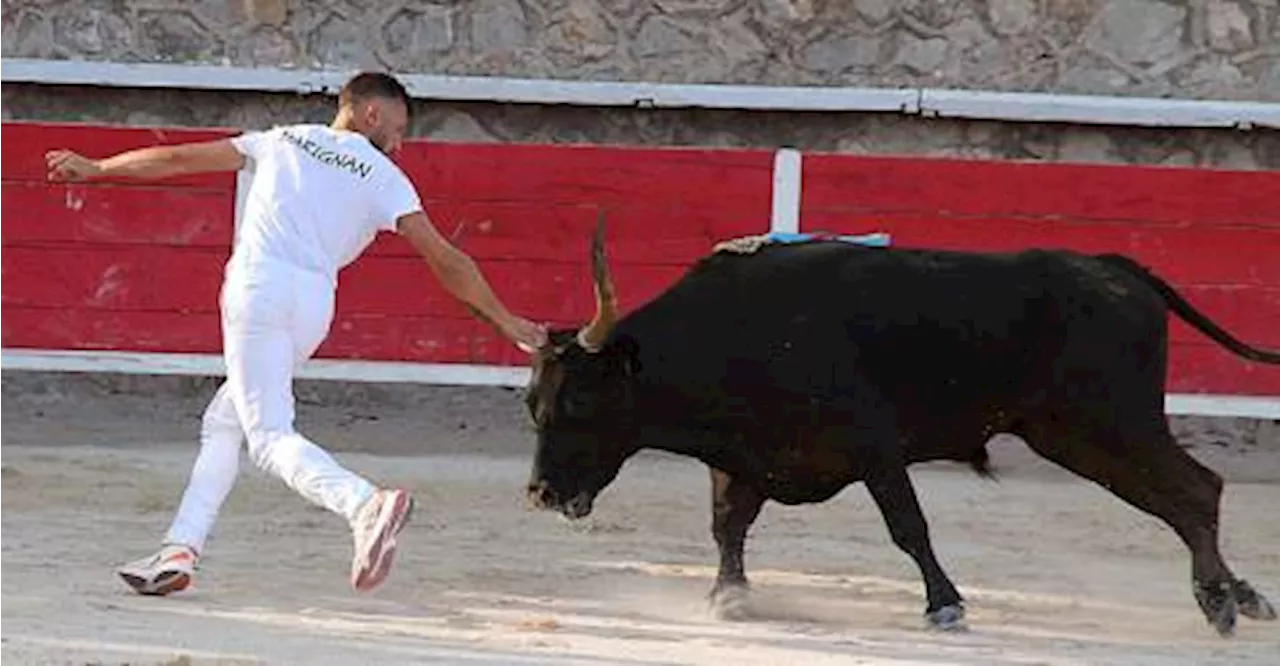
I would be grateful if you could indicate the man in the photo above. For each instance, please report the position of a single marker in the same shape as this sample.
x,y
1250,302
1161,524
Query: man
x,y
319,195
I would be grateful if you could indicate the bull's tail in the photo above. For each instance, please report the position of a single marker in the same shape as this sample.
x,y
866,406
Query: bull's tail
x,y
1189,314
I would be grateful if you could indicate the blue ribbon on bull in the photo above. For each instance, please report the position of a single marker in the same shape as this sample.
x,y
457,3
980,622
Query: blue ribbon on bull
x,y
875,239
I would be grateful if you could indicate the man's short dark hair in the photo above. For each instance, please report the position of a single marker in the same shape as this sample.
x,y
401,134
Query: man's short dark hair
x,y
365,85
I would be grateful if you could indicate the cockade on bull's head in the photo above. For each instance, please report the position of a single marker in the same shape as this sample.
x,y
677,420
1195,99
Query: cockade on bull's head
x,y
577,398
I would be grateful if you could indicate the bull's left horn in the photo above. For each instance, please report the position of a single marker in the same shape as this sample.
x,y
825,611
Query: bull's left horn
x,y
593,336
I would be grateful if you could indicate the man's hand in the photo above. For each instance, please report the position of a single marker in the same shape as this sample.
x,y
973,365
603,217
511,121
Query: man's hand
x,y
526,335
70,166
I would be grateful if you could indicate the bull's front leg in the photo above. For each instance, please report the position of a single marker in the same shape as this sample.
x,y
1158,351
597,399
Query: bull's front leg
x,y
734,506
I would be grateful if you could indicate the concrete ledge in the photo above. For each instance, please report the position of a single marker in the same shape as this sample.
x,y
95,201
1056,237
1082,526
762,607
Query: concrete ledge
x,y
464,88
1016,107
1096,109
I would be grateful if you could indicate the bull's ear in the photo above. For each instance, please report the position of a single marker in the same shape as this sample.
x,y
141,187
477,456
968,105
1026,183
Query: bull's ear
x,y
627,350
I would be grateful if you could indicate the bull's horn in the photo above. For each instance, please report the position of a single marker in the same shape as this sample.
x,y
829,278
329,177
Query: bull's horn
x,y
593,336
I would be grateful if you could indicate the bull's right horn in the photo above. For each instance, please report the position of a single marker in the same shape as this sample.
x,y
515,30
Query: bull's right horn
x,y
595,333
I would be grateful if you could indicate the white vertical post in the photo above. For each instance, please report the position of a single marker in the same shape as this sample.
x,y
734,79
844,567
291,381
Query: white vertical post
x,y
786,191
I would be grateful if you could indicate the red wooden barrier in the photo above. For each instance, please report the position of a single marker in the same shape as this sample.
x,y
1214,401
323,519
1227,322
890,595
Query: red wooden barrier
x,y
110,265
1213,234
136,267
124,266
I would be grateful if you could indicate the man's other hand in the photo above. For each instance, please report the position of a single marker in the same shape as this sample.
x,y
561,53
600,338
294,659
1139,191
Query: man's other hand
x,y
69,165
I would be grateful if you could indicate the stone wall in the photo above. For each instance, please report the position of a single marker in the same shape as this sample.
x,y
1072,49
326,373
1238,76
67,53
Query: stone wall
x,y
1223,49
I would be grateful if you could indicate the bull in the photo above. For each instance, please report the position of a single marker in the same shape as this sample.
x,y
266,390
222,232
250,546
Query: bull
x,y
794,370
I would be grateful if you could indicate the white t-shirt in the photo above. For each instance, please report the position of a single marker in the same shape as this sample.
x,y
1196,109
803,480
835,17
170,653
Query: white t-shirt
x,y
318,197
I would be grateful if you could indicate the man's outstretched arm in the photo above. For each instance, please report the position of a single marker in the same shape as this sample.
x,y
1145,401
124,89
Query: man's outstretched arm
x,y
463,279
147,163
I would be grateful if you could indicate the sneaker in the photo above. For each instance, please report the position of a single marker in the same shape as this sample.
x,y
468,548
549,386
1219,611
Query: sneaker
x,y
375,528
169,570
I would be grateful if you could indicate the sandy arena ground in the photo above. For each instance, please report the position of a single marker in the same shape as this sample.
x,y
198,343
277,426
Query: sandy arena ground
x,y
1056,570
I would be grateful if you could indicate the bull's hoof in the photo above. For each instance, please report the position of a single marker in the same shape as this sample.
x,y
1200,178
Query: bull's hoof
x,y
947,618
1252,605
729,603
1219,606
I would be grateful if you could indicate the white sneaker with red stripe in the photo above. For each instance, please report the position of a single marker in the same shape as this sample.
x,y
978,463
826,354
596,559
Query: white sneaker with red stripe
x,y
375,528
169,570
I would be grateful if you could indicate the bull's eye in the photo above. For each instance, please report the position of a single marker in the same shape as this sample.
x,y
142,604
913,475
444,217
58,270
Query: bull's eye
x,y
578,405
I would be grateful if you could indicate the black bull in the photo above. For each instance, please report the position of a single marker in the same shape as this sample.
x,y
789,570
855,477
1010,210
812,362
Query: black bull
x,y
794,370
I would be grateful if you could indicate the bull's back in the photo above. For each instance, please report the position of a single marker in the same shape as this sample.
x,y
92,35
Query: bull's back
x,y
823,317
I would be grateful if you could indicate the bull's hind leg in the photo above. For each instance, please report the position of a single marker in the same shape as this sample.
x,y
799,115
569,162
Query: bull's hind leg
x,y
734,506
891,488
1144,466
1252,605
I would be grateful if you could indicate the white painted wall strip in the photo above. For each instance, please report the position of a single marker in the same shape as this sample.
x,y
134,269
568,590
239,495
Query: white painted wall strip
x,y
1037,107
1094,109
1244,406
786,191
462,88
211,365
1263,407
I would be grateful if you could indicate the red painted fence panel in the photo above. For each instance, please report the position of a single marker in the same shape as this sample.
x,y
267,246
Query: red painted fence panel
x,y
110,265
1213,234
136,267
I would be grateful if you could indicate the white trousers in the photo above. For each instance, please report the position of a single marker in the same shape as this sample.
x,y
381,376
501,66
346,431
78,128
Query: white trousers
x,y
274,316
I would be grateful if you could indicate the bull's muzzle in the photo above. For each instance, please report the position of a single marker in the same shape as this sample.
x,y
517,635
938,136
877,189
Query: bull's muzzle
x,y
542,496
